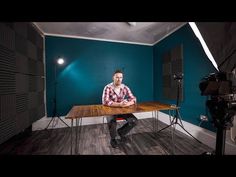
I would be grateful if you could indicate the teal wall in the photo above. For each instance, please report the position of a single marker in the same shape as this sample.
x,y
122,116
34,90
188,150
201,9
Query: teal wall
x,y
90,64
195,66
89,67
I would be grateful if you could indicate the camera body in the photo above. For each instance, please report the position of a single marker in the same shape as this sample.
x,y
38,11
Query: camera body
x,y
220,83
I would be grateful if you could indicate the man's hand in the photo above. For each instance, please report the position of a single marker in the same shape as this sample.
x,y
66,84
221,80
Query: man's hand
x,y
126,103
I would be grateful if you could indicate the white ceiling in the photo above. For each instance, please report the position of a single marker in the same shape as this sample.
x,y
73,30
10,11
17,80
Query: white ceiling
x,y
147,33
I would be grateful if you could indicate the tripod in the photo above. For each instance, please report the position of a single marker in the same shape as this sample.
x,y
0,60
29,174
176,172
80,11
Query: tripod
x,y
177,114
55,115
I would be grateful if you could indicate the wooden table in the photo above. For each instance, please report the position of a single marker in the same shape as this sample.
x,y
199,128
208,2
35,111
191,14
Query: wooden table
x,y
81,111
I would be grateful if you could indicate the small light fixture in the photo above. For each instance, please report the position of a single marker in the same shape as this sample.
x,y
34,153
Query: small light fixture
x,y
132,23
60,61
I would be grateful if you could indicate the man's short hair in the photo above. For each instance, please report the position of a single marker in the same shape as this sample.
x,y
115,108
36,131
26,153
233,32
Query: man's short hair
x,y
118,71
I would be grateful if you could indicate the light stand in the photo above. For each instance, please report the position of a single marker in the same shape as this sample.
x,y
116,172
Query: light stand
x,y
177,114
54,113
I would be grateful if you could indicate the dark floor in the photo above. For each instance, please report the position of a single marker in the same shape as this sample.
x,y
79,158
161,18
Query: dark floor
x,y
95,140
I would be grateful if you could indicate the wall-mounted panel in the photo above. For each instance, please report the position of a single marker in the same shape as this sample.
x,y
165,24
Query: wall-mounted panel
x,y
7,60
21,29
22,83
8,128
7,37
7,83
32,34
33,114
8,106
172,65
21,78
32,66
32,83
31,50
40,84
21,44
33,100
22,121
40,54
22,102
21,63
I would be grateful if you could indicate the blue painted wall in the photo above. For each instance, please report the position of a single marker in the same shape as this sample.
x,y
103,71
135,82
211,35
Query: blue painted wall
x,y
89,67
196,66
90,64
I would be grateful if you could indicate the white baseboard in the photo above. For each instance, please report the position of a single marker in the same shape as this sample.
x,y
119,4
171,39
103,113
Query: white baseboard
x,y
205,136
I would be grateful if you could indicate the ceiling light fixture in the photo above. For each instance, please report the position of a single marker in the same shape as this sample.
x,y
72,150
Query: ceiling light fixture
x,y
132,23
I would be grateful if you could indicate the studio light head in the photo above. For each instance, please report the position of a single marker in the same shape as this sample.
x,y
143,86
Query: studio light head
x,y
178,76
60,61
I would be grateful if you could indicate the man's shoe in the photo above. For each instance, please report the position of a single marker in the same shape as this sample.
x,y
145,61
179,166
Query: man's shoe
x,y
123,139
114,143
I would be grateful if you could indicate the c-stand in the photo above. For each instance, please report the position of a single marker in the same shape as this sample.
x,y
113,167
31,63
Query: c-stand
x,y
177,116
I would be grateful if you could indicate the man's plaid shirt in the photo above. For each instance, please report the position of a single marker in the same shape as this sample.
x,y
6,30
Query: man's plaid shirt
x,y
109,95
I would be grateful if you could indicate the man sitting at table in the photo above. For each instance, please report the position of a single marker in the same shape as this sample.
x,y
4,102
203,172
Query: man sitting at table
x,y
117,94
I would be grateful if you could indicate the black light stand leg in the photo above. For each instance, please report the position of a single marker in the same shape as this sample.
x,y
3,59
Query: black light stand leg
x,y
177,115
165,127
49,123
63,121
175,121
189,133
54,119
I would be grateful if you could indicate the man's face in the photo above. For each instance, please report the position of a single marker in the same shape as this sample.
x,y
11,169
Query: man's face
x,y
117,78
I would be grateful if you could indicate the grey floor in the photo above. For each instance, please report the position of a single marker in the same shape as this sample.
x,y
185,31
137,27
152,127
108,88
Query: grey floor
x,y
95,140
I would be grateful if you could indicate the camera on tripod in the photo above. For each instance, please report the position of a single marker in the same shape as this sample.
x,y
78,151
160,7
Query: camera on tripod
x,y
221,87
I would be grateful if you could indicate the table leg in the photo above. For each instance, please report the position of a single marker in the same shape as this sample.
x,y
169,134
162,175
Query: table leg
x,y
156,117
76,135
71,138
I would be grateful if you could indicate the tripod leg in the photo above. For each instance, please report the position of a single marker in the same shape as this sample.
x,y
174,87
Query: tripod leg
x,y
172,123
165,128
189,133
180,118
49,123
63,121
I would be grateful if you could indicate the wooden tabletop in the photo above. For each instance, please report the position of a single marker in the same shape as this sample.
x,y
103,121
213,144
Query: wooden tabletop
x,y
79,111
